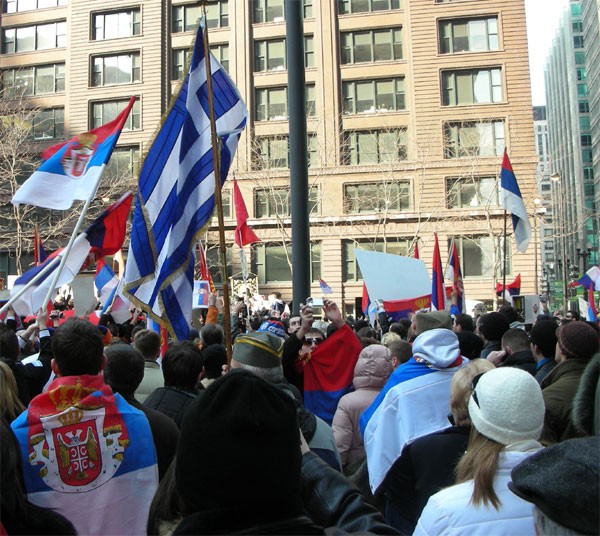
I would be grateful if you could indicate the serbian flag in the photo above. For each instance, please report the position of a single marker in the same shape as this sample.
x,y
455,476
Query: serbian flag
x,y
592,314
329,372
365,301
243,233
590,278
512,201
204,271
106,282
325,288
72,169
103,237
397,309
454,274
39,254
437,280
512,289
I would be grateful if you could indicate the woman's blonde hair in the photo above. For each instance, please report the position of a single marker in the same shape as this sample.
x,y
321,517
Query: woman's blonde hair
x,y
480,464
10,405
460,389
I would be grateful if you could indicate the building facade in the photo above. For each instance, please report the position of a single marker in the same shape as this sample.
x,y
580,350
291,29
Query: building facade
x,y
409,104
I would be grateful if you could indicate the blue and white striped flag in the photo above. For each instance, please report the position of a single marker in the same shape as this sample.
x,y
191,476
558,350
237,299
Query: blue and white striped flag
x,y
512,201
175,198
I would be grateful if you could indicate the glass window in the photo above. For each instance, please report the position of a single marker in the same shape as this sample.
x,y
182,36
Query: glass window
x,y
309,51
468,35
29,38
178,57
477,255
269,55
274,10
111,70
116,24
214,264
185,18
375,146
376,197
272,153
105,111
472,192
371,96
366,6
271,103
217,14
275,202
578,41
372,45
584,107
482,86
272,262
467,139
351,269
49,124
221,52
38,80
16,6
123,162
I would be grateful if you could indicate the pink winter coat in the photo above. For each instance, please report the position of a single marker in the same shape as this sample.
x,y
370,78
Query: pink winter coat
x,y
372,370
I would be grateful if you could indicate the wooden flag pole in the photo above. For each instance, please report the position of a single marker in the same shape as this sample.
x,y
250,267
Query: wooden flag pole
x,y
218,197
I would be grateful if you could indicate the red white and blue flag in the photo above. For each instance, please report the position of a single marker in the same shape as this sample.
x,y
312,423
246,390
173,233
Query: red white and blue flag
x,y
72,169
325,288
591,278
453,273
106,283
438,292
512,201
512,289
103,237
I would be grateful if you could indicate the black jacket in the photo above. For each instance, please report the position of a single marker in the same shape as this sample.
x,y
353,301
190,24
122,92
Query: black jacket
x,y
332,505
291,347
522,360
172,402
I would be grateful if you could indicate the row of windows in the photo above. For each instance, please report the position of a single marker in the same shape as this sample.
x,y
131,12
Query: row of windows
x,y
15,6
38,37
271,261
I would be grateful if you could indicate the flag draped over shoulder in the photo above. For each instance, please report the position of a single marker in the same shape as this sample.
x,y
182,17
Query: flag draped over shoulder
x,y
72,169
438,292
512,201
103,237
243,232
176,192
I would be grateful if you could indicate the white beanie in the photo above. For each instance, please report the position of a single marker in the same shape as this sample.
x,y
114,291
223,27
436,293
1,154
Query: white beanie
x,y
507,406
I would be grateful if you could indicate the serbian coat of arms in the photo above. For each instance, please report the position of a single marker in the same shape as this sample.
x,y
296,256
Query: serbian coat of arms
x,y
76,451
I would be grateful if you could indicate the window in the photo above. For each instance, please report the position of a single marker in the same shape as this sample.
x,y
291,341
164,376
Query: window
x,y
472,192
578,41
111,70
309,51
375,146
372,45
274,202
366,6
16,6
472,35
588,173
477,255
116,24
272,153
271,103
103,112
351,270
178,57
586,139
582,90
376,197
38,80
185,18
581,74
271,262
273,10
313,150
213,262
49,124
370,96
473,139
217,14
482,86
269,55
221,52
28,38
123,162
584,107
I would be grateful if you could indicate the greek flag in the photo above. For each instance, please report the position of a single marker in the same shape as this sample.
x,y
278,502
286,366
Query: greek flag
x,y
175,198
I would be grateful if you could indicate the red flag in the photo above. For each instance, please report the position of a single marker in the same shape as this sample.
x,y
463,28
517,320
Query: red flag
x,y
513,288
107,233
365,299
416,251
243,233
438,294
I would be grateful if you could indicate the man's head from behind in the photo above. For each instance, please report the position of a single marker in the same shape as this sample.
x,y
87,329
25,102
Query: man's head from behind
x,y
260,353
9,343
492,326
182,365
148,343
78,349
463,322
543,339
124,369
211,334
515,340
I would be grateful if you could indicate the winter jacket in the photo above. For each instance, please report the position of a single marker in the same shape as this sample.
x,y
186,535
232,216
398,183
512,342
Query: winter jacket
x,y
332,505
522,360
489,347
450,511
586,405
153,379
172,402
559,389
370,374
543,368
425,467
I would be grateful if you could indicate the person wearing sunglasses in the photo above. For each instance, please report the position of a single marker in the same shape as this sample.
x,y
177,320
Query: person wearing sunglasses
x,y
506,409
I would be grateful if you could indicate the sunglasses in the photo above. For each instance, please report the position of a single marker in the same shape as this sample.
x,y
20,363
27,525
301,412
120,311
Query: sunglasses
x,y
311,341
474,385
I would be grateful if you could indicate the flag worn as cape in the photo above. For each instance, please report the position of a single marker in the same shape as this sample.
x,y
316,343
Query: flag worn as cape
x,y
438,293
243,232
512,201
329,372
176,192
84,446
72,169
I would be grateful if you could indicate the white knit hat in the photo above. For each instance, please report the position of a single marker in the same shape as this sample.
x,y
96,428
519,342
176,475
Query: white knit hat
x,y
507,406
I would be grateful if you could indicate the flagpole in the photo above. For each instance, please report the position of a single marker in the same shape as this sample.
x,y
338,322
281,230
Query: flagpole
x,y
504,300
218,196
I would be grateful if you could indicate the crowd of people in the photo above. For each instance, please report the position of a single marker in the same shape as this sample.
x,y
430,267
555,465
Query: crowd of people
x,y
435,424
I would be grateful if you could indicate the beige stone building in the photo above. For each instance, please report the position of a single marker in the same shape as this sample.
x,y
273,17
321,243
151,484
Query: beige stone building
x,y
410,104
